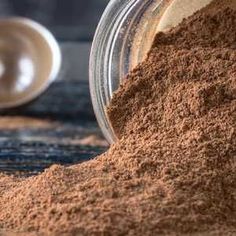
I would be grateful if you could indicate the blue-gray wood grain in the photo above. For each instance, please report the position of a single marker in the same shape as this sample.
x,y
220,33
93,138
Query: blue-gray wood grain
x,y
67,111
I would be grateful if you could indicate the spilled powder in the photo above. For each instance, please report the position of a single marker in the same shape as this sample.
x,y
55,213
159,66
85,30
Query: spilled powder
x,y
172,169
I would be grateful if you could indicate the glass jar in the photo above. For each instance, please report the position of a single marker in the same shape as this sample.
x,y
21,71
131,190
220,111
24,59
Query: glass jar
x,y
122,40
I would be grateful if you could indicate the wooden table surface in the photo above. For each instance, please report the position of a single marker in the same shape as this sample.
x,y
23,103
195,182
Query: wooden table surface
x,y
57,128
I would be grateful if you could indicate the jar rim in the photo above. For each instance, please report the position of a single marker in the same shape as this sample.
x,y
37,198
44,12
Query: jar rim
x,y
99,65
111,52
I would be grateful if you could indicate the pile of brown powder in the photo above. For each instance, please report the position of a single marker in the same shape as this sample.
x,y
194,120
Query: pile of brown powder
x,y
173,169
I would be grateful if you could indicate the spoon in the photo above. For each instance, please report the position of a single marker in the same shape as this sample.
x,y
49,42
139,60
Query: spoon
x,y
30,60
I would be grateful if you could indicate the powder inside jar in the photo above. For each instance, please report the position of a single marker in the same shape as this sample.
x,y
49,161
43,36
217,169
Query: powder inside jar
x,y
172,169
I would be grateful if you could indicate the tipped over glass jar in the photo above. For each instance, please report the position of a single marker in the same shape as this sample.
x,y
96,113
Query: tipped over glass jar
x,y
122,40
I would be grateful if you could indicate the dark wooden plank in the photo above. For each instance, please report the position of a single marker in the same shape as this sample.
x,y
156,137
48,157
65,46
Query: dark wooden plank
x,y
57,128
35,156
69,101
31,149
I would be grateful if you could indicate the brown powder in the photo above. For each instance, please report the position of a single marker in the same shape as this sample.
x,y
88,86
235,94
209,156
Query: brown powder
x,y
172,169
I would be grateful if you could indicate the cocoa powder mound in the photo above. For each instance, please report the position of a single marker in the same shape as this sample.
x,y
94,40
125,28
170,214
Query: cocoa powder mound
x,y
172,169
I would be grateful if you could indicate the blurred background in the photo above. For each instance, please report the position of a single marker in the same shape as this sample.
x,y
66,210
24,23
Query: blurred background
x,y
60,126
73,23
69,20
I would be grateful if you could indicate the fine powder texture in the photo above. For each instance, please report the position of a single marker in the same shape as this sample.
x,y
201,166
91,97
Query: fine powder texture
x,y
172,170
